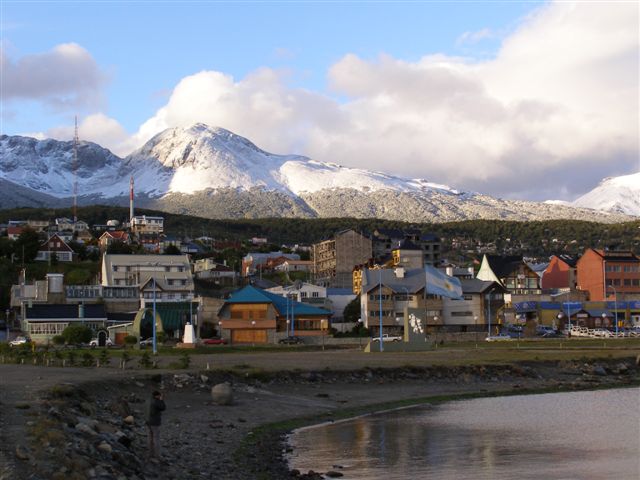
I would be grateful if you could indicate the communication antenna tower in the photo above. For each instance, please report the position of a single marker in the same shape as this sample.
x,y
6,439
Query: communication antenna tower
x,y
75,173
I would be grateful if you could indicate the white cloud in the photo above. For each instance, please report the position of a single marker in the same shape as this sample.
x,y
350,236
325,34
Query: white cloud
x,y
555,111
97,128
65,77
475,37
559,101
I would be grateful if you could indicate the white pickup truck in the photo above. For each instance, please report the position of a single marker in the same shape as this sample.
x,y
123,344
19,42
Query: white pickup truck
x,y
388,338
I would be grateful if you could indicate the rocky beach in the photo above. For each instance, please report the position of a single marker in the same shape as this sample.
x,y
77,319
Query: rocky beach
x,y
87,423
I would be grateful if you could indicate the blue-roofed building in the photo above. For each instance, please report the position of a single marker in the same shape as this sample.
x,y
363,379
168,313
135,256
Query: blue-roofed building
x,y
253,315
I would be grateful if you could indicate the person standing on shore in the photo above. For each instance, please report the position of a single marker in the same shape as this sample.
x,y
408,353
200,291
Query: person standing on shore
x,y
153,418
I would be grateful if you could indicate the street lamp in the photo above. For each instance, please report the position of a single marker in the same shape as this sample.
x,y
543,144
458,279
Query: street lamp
x,y
615,306
435,330
475,323
380,305
153,321
253,324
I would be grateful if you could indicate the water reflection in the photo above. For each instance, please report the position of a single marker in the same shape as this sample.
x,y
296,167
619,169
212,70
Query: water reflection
x,y
580,435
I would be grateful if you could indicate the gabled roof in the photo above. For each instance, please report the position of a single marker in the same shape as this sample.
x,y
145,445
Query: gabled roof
x,y
251,294
502,266
616,256
475,285
48,247
571,260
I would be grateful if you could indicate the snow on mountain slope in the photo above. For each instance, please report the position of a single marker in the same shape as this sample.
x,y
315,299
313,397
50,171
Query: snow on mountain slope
x,y
46,166
614,194
202,157
214,173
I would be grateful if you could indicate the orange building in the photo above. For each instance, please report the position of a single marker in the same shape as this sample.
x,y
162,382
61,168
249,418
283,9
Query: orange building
x,y
607,275
560,273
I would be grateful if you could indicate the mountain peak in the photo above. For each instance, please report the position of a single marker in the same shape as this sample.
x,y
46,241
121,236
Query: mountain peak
x,y
614,194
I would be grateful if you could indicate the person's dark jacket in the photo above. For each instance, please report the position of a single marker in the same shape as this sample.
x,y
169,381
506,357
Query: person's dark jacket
x,y
154,411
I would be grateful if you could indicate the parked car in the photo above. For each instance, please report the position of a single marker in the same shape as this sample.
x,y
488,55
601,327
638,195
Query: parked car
x,y
544,329
553,334
96,343
291,341
19,341
388,338
214,341
147,342
498,338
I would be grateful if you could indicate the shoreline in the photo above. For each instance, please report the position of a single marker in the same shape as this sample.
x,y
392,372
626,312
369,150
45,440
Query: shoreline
x,y
248,438
275,431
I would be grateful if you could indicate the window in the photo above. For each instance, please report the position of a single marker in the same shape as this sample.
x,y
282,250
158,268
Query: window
x,y
115,268
170,282
462,314
303,294
616,282
167,269
627,282
635,282
315,294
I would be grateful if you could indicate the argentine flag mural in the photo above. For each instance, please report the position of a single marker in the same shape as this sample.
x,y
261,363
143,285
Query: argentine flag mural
x,y
441,284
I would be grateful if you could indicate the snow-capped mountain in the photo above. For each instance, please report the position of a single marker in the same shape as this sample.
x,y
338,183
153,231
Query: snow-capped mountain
x,y
614,194
201,158
212,172
46,166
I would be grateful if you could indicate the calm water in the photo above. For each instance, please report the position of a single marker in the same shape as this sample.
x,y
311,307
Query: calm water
x,y
563,436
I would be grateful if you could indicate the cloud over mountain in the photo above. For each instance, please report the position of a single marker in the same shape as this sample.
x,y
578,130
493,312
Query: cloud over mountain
x,y
553,112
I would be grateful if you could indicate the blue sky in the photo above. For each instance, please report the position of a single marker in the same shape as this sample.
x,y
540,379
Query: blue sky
x,y
138,67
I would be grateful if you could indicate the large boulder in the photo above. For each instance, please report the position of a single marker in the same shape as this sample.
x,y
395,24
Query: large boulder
x,y
222,394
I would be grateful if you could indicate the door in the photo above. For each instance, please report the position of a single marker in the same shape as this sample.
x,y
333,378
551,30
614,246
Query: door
x,y
249,336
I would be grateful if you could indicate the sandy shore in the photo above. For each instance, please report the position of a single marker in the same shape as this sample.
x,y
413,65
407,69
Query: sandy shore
x,y
86,423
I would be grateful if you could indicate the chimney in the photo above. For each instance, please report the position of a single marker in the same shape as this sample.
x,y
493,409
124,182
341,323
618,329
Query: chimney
x,y
399,272
80,310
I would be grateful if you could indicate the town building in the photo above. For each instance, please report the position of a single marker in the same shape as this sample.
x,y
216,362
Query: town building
x,y
110,237
165,278
386,292
561,272
257,262
607,275
41,322
335,259
512,272
218,273
252,315
385,240
55,248
146,225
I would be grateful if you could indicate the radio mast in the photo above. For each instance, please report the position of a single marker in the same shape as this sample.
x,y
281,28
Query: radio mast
x,y
75,174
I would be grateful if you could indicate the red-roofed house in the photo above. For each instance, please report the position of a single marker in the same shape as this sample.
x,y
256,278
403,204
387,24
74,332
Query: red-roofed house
x,y
14,232
55,246
107,238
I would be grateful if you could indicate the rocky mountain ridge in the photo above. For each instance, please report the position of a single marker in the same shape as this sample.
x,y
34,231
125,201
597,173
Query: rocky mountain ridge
x,y
212,172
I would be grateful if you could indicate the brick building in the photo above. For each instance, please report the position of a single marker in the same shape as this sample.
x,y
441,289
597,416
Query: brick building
x,y
560,273
606,275
335,259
